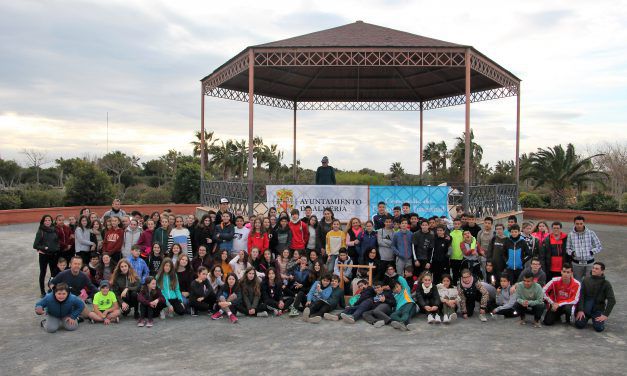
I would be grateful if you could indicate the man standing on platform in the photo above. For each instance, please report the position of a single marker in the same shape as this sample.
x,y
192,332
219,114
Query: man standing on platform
x,y
325,175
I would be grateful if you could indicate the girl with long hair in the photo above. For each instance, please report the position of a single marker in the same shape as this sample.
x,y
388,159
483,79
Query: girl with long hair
x,y
185,276
239,264
215,277
258,238
125,284
169,285
353,244
251,295
228,299
272,293
151,301
47,245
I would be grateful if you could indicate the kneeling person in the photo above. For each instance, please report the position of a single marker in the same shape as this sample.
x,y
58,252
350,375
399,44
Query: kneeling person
x,y
62,307
106,308
562,295
530,299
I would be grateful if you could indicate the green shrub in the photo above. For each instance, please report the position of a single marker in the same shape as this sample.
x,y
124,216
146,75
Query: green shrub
x,y
133,195
596,202
187,184
156,196
39,198
88,185
624,202
356,178
10,200
531,200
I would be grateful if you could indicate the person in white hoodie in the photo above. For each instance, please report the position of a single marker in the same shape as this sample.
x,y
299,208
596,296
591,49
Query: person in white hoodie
x,y
131,237
449,298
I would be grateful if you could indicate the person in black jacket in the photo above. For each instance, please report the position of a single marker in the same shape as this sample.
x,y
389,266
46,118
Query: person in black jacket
x,y
314,313
201,295
439,257
203,234
428,299
363,304
75,279
382,306
47,246
272,293
251,295
423,243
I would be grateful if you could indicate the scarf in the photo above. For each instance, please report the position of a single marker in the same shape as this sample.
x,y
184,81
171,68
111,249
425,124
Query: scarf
x,y
426,289
467,285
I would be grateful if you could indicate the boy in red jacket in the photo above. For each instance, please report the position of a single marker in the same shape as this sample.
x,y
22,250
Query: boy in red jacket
x,y
562,295
300,231
113,239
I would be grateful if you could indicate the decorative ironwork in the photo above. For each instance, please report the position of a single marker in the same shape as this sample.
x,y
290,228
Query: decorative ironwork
x,y
492,199
493,72
359,106
242,96
478,96
226,73
236,192
344,57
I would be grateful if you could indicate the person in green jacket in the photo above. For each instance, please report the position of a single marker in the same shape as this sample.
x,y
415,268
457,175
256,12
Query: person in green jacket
x,y
325,175
530,299
161,234
457,257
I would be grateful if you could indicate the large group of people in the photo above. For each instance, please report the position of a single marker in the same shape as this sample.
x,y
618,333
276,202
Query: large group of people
x,y
396,268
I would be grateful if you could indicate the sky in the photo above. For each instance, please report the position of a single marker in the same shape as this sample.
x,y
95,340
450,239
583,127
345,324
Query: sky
x,y
65,64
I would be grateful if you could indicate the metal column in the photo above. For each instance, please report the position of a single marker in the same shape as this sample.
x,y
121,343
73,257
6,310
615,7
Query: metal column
x,y
421,143
202,133
294,157
251,102
467,134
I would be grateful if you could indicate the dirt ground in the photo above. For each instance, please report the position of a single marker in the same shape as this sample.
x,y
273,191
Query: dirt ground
x,y
290,346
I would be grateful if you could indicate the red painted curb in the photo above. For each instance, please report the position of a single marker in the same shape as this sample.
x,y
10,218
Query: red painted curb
x,y
565,215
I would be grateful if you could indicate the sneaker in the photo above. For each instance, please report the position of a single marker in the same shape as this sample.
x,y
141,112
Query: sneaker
x,y
331,317
398,325
117,320
262,314
306,312
278,312
377,324
537,324
522,322
80,319
162,314
233,319
349,319
315,319
293,312
412,327
437,319
42,323
452,317
430,319
149,324
482,317
193,312
216,316
445,319
141,323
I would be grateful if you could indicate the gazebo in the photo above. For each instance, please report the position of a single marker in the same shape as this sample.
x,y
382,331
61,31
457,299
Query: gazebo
x,y
360,66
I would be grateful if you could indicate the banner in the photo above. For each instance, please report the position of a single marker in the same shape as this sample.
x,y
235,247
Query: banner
x,y
346,201
425,201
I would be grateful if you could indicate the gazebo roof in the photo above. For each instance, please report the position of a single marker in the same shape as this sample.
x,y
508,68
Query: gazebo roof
x,y
360,64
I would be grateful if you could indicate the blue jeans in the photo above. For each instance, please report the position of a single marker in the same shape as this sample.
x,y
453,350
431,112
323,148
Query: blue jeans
x,y
599,326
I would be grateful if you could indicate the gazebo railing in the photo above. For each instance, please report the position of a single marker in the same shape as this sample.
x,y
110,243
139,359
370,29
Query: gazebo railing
x,y
211,191
490,200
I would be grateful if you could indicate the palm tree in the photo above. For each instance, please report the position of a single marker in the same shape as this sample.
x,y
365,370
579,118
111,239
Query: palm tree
x,y
436,156
241,158
209,142
561,170
397,171
457,155
224,157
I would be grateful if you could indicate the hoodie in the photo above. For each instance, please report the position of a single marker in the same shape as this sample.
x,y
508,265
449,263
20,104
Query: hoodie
x,y
300,234
46,237
402,244
600,291
130,239
72,306
515,252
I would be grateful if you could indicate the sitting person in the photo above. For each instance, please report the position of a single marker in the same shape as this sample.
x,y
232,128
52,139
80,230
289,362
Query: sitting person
x,y
169,286
405,307
151,302
412,280
490,274
470,291
596,300
322,307
228,299
529,299
382,304
362,304
106,308
251,295
449,298
202,297
75,280
536,269
343,259
428,299
63,309
125,284
320,290
272,293
505,298
299,280
562,295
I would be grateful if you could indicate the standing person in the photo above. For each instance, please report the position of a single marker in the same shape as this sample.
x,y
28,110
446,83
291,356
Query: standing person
x,y
125,284
496,252
47,245
300,232
402,246
66,237
62,308
582,245
596,299
471,254
97,234
154,259
457,257
131,237
145,239
83,244
308,214
223,234
324,226
423,243
312,243
484,239
367,241
384,240
114,238
162,233
530,299
562,295
181,236
471,225
116,210
240,235
258,238
224,209
379,218
353,232
541,232
535,249
335,241
325,174
516,253
204,233
555,250
439,261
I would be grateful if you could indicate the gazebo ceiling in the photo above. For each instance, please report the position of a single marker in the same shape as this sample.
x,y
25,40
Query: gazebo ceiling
x,y
360,62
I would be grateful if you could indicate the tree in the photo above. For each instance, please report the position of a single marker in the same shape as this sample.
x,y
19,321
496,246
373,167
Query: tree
x,y
187,184
436,156
209,141
457,155
561,170
158,168
10,173
35,159
503,173
612,159
397,172
224,158
66,167
88,185
117,163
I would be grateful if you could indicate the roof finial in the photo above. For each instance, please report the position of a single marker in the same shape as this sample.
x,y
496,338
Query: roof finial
x,y
359,21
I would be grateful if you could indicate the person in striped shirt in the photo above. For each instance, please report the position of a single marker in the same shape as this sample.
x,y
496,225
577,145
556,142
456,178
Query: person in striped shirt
x,y
582,245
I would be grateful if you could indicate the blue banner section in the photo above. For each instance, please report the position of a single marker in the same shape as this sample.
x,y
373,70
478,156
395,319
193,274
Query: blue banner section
x,y
425,201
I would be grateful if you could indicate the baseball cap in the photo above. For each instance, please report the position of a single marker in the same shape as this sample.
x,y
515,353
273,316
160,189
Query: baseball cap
x,y
104,283
325,159
224,200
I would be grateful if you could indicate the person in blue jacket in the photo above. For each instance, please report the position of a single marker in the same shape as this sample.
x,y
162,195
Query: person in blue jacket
x,y
63,309
320,290
516,253
138,264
